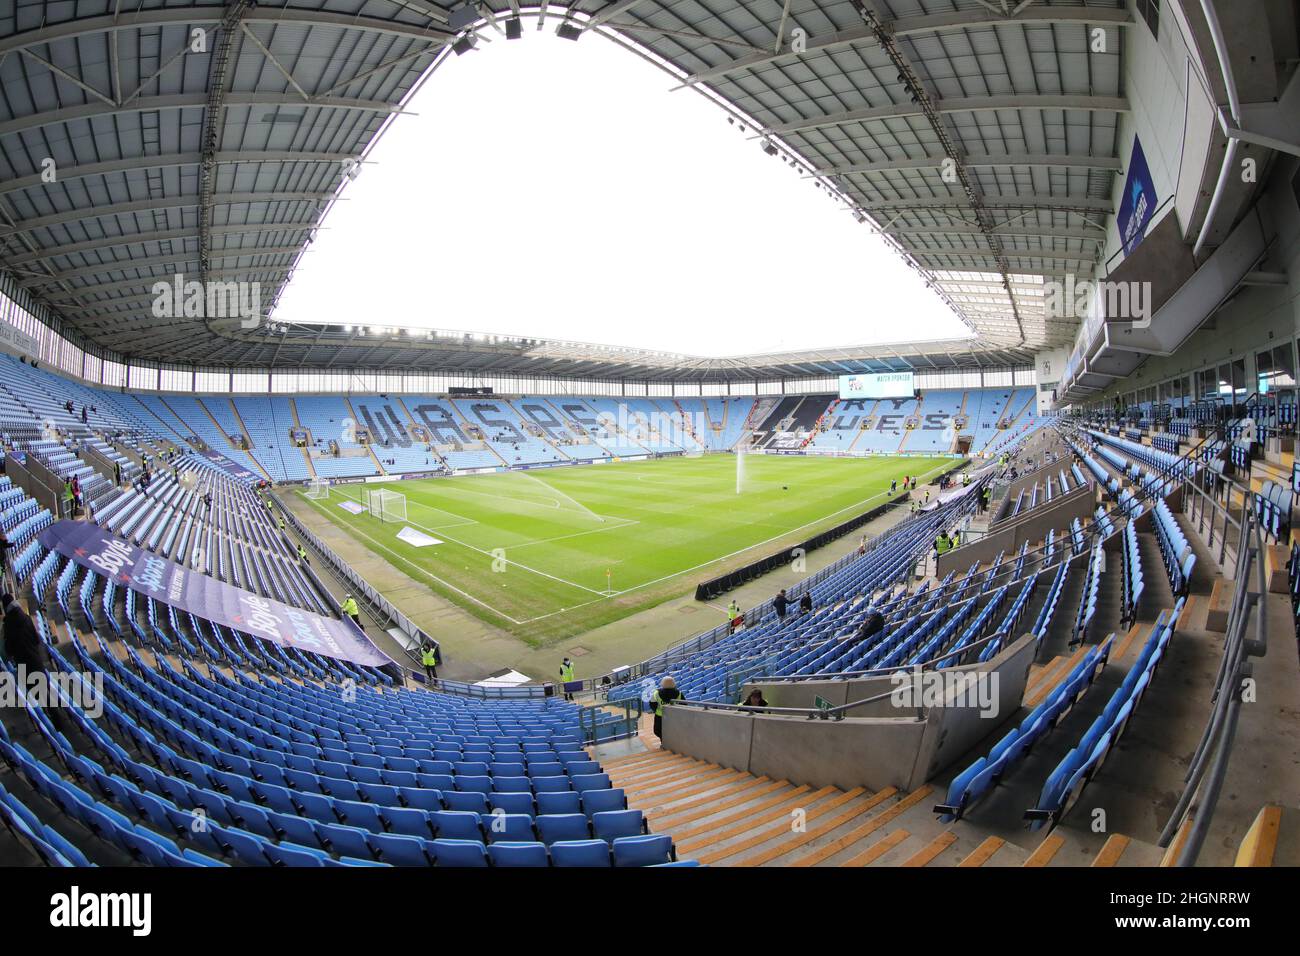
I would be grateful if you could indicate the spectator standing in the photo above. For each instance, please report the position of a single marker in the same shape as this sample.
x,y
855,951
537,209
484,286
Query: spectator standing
x,y
666,694
5,545
780,603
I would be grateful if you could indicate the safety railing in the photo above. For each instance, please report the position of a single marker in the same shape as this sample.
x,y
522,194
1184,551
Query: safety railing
x,y
1195,808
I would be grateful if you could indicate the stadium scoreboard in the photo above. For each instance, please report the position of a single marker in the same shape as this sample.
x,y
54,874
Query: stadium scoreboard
x,y
878,385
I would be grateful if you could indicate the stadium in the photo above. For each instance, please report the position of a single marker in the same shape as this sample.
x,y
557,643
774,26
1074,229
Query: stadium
x,y
336,587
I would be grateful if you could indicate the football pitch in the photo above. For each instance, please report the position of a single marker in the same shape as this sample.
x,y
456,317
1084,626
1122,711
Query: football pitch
x,y
550,553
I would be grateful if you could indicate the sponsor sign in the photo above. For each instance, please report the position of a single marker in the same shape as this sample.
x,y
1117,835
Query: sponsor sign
x,y
170,583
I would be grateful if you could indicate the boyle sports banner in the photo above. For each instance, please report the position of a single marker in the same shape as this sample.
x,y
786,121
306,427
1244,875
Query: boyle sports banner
x,y
113,557
1138,204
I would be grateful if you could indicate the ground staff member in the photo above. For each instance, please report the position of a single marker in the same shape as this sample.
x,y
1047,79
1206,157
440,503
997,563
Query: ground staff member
x,y
666,694
351,610
429,658
567,674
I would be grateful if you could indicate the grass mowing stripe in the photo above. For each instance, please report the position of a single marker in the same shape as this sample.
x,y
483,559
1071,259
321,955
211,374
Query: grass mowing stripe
x,y
665,519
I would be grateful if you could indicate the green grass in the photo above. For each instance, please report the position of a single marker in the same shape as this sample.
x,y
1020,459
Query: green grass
x,y
529,551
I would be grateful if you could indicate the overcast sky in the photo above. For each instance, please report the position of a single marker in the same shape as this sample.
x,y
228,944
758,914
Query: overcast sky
x,y
558,189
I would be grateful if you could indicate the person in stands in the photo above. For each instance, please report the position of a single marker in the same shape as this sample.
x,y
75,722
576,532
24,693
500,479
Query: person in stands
x,y
666,694
302,554
5,545
429,658
873,625
22,645
780,603
805,603
567,674
734,615
755,698
350,608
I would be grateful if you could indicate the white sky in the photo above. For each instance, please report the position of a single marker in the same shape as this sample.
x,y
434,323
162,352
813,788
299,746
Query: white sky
x,y
557,189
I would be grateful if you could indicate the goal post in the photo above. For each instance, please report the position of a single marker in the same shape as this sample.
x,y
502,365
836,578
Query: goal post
x,y
386,505
318,489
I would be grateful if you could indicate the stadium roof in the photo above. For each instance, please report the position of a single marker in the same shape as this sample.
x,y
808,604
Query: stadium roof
x,y
215,154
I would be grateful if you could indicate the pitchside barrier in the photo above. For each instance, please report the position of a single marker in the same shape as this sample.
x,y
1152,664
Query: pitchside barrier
x,y
388,614
707,590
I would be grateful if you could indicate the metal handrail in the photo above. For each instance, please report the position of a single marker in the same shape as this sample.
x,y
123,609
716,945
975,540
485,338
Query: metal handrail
x,y
1203,776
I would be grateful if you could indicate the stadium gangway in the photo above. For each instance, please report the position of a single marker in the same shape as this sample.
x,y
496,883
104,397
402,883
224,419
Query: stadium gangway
x,y
839,712
1092,534
1209,763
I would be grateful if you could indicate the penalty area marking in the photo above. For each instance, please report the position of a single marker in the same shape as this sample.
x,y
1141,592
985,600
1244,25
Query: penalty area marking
x,y
494,557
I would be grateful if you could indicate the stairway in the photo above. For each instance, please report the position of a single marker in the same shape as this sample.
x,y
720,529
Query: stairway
x,y
724,817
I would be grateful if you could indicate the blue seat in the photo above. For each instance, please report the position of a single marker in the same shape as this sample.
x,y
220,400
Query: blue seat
x,y
291,854
569,801
344,840
513,803
469,783
557,784
244,846
400,850
418,799
588,853
643,850
407,821
524,854
610,825
509,827
512,785
472,802
457,825
357,814
591,781
600,801
447,852
293,828
563,826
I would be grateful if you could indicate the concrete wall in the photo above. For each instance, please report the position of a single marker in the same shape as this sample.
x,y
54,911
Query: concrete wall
x,y
1033,527
861,751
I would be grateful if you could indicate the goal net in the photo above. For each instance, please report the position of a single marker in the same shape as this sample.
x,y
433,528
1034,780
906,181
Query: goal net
x,y
386,505
318,489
